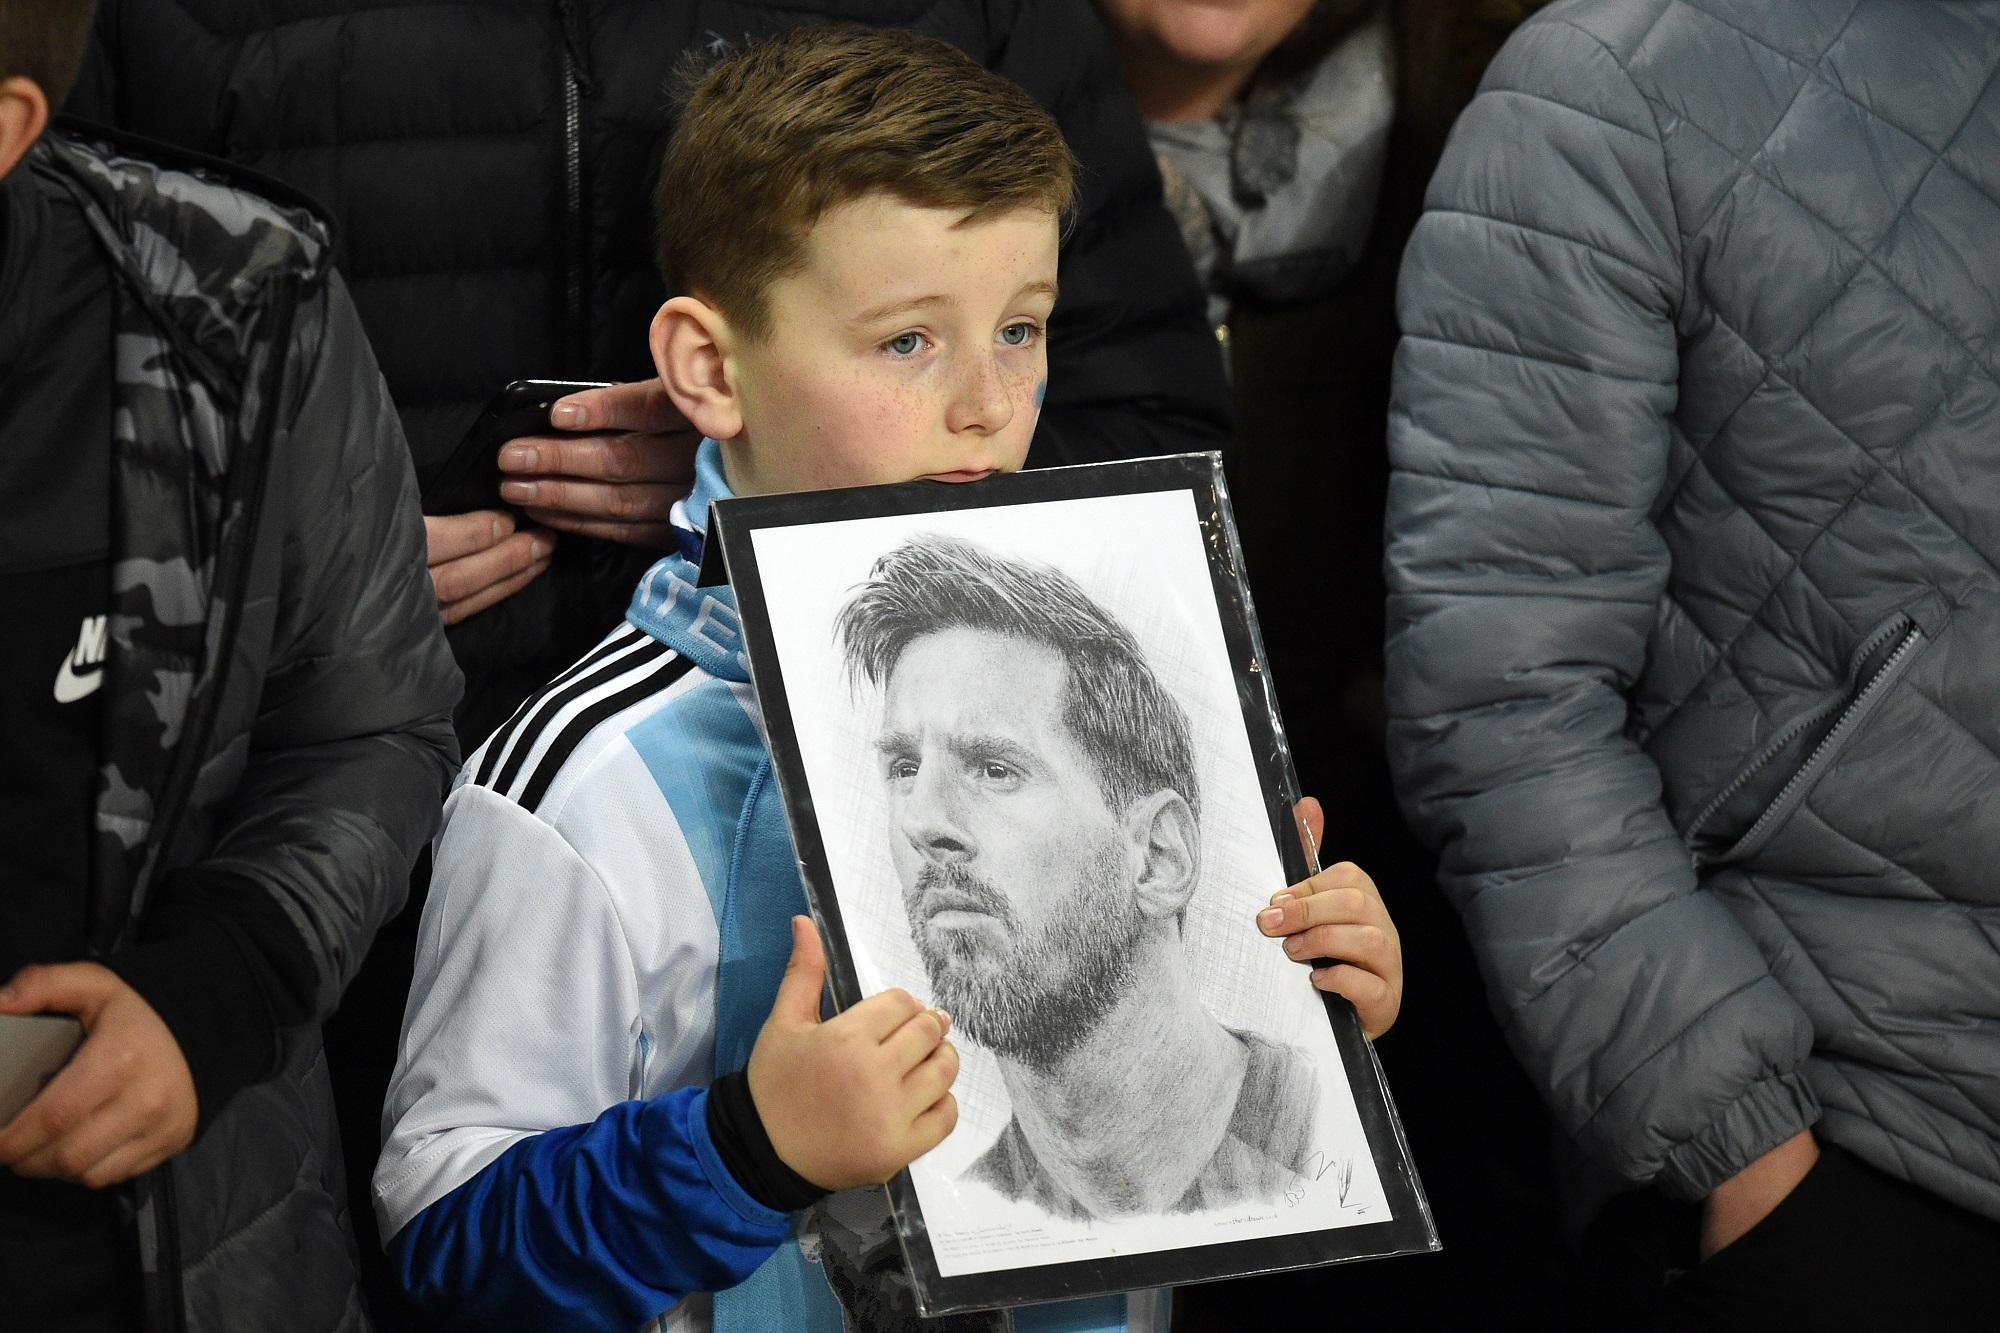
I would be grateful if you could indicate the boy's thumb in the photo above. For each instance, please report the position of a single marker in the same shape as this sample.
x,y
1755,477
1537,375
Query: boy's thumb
x,y
805,974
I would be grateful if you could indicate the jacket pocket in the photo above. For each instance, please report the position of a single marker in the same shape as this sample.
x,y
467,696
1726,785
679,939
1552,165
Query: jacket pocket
x,y
1821,734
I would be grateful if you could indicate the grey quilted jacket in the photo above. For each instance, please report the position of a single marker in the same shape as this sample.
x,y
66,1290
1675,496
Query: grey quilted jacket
x,y
278,689
1694,562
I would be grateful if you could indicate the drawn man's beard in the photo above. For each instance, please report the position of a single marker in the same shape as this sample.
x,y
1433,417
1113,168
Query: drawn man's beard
x,y
1036,998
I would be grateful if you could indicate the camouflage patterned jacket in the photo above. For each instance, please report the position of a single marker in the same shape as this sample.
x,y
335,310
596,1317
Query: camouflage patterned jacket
x,y
279,690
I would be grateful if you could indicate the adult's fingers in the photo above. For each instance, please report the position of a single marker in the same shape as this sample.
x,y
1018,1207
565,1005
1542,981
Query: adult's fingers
x,y
622,502
913,1042
641,405
133,1157
470,575
491,594
452,536
640,456
652,536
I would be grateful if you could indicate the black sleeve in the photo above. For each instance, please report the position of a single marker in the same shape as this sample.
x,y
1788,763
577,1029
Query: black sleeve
x,y
226,971
745,1148
1134,368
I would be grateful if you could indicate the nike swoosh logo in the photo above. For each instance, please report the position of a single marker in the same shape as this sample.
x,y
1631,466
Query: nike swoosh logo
x,y
70,686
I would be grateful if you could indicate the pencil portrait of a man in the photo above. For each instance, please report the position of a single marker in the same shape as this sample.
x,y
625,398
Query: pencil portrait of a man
x,y
1045,830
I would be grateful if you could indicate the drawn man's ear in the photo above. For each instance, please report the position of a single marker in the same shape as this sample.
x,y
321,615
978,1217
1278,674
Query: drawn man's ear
x,y
1163,831
691,342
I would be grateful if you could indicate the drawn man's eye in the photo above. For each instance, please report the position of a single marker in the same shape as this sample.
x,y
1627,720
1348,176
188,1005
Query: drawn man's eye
x,y
995,771
902,769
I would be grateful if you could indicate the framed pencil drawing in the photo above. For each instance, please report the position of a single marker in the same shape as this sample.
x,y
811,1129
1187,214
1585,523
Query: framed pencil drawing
x,y
1035,774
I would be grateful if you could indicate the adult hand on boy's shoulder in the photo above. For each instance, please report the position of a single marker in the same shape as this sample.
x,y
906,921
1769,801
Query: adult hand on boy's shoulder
x,y
855,1099
1339,914
628,457
123,1104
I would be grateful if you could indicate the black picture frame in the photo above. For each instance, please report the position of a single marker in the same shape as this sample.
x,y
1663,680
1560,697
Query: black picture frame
x,y
734,524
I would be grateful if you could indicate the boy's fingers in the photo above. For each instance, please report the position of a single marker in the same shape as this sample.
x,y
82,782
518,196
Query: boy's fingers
x,y
933,1076
1369,947
879,1016
934,1124
798,990
1311,821
1373,1000
913,1042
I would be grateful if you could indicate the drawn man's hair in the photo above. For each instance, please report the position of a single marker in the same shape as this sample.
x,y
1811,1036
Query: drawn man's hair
x,y
44,41
772,137
1133,731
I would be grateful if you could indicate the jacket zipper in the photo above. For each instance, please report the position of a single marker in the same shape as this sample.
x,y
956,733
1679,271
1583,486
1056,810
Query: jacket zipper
x,y
1858,707
577,84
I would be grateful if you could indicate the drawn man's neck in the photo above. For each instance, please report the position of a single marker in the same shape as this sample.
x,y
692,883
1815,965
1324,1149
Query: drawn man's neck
x,y
1127,1120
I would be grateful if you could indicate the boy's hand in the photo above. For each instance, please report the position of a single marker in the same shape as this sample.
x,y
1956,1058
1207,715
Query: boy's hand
x,y
619,484
478,559
1339,914
855,1099
123,1104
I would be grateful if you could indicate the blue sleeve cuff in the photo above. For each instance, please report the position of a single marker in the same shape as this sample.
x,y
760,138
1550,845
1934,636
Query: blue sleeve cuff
x,y
591,1226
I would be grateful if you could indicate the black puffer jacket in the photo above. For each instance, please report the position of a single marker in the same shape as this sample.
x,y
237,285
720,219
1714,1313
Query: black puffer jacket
x,y
491,164
1694,562
278,689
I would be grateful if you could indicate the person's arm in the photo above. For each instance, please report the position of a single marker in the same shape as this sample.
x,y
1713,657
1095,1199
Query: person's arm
x,y
1134,369
1531,434
310,853
526,1179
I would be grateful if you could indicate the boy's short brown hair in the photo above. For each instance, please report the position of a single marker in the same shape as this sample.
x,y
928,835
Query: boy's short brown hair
x,y
44,41
794,125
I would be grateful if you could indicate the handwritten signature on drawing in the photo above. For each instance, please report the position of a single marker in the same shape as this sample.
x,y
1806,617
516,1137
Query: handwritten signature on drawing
x,y
1315,1170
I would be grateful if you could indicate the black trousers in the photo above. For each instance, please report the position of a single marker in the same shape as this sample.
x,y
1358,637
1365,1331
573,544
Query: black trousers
x,y
1849,1248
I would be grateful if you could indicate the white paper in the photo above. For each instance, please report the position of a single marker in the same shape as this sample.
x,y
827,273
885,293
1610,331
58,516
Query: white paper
x,y
1141,558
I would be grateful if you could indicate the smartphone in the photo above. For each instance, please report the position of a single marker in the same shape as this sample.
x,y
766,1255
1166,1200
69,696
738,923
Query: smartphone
x,y
470,478
32,1048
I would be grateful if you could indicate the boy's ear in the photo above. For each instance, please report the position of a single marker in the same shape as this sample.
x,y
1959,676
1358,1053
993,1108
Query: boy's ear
x,y
24,114
1165,838
691,342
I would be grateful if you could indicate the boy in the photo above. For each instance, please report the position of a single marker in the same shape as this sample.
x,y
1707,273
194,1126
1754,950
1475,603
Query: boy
x,y
602,1111
227,704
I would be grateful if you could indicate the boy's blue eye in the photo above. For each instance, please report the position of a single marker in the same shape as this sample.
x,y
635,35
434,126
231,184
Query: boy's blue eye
x,y
1018,335
906,344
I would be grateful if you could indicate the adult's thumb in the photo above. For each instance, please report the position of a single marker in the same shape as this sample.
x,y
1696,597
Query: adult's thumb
x,y
805,974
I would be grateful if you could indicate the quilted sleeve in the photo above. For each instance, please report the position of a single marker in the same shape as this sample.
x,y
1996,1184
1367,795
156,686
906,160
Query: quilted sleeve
x,y
1529,433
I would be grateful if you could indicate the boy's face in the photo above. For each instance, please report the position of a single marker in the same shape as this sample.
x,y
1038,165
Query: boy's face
x,y
911,343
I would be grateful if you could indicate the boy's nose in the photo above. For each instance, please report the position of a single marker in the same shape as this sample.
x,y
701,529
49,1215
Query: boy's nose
x,y
980,401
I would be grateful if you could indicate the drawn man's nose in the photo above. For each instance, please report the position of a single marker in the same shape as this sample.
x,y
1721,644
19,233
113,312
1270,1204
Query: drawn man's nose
x,y
931,820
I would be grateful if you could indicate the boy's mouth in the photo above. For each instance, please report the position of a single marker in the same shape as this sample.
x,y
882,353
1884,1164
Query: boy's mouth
x,y
963,474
